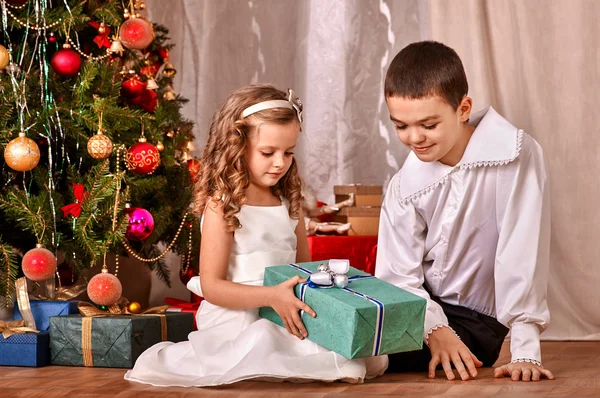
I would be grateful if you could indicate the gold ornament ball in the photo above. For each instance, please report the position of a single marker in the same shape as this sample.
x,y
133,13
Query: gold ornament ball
x,y
22,153
4,57
160,147
100,146
134,307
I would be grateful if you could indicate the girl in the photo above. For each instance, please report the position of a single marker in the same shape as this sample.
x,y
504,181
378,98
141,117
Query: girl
x,y
249,195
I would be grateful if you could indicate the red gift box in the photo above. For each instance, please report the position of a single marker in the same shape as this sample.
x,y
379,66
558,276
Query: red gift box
x,y
360,250
176,305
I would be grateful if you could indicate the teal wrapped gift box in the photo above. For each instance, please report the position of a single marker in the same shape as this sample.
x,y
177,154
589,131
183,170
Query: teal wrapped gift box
x,y
369,317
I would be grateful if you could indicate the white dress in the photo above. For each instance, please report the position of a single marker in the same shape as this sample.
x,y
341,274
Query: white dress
x,y
233,345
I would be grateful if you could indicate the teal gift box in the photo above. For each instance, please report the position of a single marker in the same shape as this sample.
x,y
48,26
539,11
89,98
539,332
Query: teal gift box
x,y
114,341
369,317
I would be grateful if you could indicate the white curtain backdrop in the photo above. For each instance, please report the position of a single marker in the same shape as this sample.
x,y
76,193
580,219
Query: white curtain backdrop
x,y
537,62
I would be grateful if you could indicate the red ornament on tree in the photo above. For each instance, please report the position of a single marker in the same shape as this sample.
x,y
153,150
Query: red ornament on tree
x,y
104,288
136,33
52,38
141,224
66,62
194,166
132,87
39,264
148,100
187,275
142,158
164,53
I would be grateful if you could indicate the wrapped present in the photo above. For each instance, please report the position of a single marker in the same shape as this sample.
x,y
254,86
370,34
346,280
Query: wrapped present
x,y
113,341
22,346
364,220
177,305
42,310
363,195
360,250
369,317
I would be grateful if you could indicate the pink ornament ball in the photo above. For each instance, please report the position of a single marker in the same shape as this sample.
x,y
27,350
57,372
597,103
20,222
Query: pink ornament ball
x,y
104,289
39,264
141,224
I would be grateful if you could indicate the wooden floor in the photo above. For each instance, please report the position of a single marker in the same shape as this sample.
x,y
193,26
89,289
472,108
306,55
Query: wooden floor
x,y
576,366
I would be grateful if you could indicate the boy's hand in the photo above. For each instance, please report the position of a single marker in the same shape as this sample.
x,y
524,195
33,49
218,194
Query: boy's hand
x,y
446,348
525,371
288,307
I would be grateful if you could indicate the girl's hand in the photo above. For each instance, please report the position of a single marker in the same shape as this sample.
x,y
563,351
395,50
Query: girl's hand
x,y
447,349
288,307
525,371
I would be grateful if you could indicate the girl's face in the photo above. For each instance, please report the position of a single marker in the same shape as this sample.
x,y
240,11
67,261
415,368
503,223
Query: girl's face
x,y
270,152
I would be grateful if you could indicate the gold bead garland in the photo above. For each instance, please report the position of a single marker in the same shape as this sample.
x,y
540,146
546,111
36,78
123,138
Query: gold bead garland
x,y
124,241
164,253
89,57
189,255
26,24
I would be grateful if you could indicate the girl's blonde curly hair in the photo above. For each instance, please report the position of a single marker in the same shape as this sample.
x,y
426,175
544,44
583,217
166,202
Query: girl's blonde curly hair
x,y
224,174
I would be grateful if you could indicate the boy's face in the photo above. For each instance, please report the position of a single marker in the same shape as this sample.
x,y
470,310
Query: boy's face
x,y
270,152
431,128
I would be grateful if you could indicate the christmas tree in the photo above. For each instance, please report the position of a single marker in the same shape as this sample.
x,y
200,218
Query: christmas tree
x,y
96,151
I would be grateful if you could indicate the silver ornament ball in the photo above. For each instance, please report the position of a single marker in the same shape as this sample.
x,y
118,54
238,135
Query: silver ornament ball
x,y
340,281
323,268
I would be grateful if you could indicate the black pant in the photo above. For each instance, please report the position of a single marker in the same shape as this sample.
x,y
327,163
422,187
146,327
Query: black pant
x,y
483,335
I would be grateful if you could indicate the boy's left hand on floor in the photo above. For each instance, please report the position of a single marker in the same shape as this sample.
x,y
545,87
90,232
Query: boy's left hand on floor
x,y
525,371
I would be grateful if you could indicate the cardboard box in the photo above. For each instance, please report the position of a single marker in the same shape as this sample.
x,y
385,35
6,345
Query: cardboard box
x,y
364,220
364,195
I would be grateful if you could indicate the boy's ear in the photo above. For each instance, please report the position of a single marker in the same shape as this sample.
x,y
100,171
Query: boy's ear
x,y
464,109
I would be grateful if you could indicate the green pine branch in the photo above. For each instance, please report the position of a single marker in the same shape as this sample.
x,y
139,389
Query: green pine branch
x,y
9,269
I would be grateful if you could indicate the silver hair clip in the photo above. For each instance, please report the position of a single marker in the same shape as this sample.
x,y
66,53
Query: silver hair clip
x,y
293,102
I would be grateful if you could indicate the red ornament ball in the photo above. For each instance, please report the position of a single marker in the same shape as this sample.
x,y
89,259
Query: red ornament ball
x,y
141,224
39,264
148,100
52,39
66,62
104,289
194,166
163,53
133,87
142,158
186,276
136,33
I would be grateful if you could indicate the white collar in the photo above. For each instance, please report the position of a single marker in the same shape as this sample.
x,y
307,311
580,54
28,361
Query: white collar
x,y
494,142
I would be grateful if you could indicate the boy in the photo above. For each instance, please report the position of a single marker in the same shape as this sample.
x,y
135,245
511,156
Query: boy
x,y
465,223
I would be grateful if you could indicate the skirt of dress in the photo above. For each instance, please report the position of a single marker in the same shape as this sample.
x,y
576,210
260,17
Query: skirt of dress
x,y
235,345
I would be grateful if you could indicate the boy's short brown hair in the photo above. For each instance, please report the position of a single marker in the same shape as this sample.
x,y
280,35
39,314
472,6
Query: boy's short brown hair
x,y
424,69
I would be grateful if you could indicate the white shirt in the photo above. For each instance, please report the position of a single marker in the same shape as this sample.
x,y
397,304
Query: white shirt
x,y
477,233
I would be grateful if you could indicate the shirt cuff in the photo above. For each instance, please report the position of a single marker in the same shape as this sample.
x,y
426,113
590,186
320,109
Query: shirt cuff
x,y
525,343
434,319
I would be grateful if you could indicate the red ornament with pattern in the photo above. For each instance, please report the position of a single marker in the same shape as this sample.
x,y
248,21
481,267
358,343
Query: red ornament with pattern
x,y
142,158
